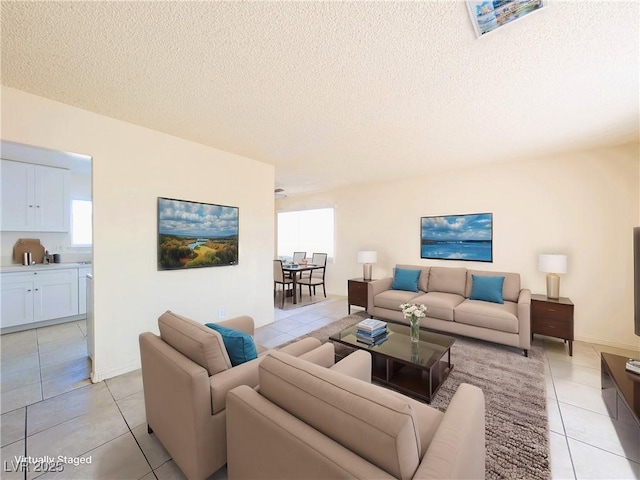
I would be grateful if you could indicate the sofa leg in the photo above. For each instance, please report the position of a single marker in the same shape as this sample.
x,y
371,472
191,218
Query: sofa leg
x,y
526,352
149,429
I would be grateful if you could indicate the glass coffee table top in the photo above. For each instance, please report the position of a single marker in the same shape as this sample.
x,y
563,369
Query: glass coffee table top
x,y
429,350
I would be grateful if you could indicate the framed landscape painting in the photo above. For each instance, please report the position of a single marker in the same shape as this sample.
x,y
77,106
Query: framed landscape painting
x,y
457,237
196,234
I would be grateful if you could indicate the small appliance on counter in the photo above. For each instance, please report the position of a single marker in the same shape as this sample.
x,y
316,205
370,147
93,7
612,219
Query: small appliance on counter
x,y
30,246
27,258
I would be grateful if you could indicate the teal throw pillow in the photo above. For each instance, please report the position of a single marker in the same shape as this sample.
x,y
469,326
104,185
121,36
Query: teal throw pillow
x,y
240,346
405,279
486,288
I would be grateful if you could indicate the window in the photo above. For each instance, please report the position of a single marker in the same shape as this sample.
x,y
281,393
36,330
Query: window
x,y
305,230
81,222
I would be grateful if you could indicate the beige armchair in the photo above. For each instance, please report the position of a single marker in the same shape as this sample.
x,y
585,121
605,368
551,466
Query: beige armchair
x,y
306,421
186,374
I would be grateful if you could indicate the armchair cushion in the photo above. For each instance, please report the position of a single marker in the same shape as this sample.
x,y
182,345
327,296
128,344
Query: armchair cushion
x,y
200,344
239,345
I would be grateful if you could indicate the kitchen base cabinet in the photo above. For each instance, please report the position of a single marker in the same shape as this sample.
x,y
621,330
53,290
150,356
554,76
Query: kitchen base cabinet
x,y
56,295
16,300
38,296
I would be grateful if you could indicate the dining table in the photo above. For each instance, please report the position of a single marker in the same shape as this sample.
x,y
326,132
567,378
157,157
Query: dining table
x,y
294,269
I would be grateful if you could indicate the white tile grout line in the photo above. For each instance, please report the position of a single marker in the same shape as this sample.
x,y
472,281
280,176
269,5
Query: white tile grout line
x,y
130,429
555,394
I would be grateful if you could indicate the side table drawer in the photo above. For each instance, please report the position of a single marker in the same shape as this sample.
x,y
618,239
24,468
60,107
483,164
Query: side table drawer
x,y
544,326
358,293
558,312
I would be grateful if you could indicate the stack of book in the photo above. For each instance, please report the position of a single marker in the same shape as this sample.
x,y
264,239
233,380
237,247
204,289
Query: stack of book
x,y
371,331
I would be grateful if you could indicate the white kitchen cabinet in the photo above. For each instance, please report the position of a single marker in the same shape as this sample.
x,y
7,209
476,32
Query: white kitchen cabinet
x,y
29,297
16,299
82,289
35,198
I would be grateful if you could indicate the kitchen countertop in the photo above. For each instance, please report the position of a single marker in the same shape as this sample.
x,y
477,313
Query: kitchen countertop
x,y
41,267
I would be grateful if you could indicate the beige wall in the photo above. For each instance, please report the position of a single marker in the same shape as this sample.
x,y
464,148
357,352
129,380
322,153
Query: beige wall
x,y
132,166
583,205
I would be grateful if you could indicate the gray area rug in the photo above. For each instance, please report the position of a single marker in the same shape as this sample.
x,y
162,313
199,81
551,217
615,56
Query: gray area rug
x,y
514,391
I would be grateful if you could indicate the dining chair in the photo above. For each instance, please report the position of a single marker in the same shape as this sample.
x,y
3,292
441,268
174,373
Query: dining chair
x,y
298,257
316,277
316,259
280,278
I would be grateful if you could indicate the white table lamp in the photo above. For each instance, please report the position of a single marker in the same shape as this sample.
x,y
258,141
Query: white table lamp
x,y
367,257
553,265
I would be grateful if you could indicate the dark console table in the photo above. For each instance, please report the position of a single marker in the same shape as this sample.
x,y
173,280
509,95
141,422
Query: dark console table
x,y
621,385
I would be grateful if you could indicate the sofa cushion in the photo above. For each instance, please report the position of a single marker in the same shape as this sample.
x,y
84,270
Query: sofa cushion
x,y
510,288
405,279
440,305
487,288
195,341
364,418
239,345
495,316
447,280
392,299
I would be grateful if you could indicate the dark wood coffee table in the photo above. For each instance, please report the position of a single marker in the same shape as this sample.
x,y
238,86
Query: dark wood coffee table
x,y
417,370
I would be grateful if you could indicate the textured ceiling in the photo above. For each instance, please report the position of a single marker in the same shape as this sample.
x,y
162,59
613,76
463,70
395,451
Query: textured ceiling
x,y
334,93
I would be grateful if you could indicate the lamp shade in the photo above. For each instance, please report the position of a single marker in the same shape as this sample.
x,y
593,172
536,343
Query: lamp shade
x,y
367,256
551,263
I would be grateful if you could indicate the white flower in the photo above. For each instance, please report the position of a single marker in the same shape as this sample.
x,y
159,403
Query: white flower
x,y
413,310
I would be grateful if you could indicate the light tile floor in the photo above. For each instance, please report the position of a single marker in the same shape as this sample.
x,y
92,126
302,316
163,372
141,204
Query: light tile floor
x,y
49,407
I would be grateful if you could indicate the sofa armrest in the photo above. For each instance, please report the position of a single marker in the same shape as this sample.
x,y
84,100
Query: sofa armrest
x,y
301,346
524,318
458,446
243,323
356,365
376,287
324,355
247,373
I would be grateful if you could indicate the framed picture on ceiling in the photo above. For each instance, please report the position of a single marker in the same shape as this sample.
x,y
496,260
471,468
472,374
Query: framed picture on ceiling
x,y
196,234
457,237
487,15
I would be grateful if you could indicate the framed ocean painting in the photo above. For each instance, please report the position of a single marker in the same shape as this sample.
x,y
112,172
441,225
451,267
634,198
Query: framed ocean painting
x,y
196,234
487,15
457,237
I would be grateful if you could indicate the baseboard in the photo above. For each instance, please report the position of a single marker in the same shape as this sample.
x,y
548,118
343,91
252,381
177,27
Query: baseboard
x,y
44,323
97,377
609,343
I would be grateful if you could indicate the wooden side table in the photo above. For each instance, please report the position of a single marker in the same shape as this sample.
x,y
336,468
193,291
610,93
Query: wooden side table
x,y
358,291
553,318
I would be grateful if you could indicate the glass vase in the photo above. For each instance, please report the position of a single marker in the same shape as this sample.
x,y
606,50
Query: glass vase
x,y
415,330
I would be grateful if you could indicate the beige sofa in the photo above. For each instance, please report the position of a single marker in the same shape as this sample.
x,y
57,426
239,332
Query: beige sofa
x,y
306,421
446,291
186,374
